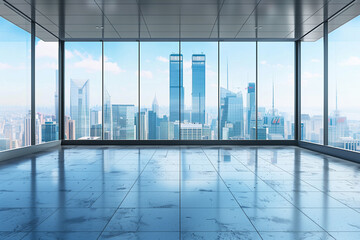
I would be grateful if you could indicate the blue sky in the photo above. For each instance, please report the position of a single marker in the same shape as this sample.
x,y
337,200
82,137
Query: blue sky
x,y
83,60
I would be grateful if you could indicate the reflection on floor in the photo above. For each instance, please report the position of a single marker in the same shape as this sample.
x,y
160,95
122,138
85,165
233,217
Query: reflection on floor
x,y
179,193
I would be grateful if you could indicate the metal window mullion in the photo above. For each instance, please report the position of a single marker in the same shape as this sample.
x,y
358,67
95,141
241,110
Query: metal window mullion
x,y
256,95
102,91
61,87
297,123
326,85
138,121
33,107
219,106
180,60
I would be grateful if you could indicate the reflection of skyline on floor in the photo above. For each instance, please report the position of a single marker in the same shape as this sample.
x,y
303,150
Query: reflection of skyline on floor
x,y
226,192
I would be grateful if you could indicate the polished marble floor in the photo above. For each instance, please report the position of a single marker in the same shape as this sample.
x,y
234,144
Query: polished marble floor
x,y
179,193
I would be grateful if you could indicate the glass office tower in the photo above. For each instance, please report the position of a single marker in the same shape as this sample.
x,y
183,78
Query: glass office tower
x,y
176,87
79,107
198,88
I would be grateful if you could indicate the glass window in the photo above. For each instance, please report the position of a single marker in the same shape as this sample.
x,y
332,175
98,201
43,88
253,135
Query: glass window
x,y
83,84
237,90
276,90
15,85
160,87
46,87
344,84
312,87
121,90
199,120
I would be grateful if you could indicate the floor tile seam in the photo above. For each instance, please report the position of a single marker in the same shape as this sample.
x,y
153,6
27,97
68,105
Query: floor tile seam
x,y
327,193
264,181
187,231
233,196
57,209
271,164
299,209
127,193
292,204
91,206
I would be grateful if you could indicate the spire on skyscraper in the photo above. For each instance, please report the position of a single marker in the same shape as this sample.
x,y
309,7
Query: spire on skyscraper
x,y
155,105
336,99
273,98
227,74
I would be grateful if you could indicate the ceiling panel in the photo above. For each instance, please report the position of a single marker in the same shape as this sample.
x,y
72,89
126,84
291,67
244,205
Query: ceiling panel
x,y
193,19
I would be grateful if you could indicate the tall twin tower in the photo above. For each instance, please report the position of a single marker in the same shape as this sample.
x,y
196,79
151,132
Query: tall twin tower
x,y
177,88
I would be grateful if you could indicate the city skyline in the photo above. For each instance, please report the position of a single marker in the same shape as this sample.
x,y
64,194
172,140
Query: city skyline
x,y
236,73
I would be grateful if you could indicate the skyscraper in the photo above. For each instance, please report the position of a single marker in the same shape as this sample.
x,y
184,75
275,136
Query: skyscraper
x,y
198,88
123,122
95,116
251,111
49,132
27,131
155,106
79,107
72,127
56,96
232,114
107,116
152,125
176,86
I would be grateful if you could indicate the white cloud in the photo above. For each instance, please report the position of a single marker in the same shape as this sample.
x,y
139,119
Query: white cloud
x,y
315,60
145,74
351,61
187,65
162,59
263,62
47,49
47,65
68,54
79,54
211,73
112,66
309,75
4,66
90,64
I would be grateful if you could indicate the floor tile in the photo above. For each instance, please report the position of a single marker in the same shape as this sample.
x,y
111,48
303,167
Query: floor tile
x,y
139,235
151,200
205,199
296,235
214,219
77,219
335,219
23,219
277,219
62,235
144,219
220,235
